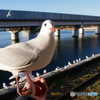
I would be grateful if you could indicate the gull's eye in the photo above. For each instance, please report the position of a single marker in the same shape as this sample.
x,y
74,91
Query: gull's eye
x,y
45,24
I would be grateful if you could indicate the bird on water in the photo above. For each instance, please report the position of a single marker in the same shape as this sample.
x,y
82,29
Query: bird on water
x,y
30,55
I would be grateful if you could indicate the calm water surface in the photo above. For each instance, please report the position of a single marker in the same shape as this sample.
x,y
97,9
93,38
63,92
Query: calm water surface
x,y
67,49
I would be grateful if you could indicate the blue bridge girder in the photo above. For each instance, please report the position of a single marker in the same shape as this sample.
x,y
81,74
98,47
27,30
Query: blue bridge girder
x,y
14,18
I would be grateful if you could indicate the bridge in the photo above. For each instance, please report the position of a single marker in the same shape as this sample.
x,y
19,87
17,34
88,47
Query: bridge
x,y
30,21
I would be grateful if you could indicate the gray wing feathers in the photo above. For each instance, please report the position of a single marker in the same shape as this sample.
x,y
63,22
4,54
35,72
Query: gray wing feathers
x,y
18,55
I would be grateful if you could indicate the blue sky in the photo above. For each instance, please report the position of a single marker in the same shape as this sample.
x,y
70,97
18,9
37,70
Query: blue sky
x,y
84,7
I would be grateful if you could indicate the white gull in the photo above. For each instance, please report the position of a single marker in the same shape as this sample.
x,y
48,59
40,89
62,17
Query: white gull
x,y
31,55
8,13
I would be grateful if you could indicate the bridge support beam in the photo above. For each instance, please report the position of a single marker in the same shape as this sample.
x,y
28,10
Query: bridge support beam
x,y
75,32
97,30
81,32
57,33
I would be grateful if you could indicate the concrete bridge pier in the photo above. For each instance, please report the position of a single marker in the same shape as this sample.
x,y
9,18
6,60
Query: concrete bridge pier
x,y
57,33
81,32
14,36
97,31
75,32
29,33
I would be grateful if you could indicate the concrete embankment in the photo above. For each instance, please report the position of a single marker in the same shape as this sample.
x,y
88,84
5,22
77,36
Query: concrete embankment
x,y
10,93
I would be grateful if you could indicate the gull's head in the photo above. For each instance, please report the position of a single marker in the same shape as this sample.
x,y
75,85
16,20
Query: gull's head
x,y
48,26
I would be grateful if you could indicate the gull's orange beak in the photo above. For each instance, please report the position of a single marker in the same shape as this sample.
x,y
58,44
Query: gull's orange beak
x,y
52,29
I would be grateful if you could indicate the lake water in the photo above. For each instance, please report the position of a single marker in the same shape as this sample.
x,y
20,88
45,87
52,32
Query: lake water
x,y
67,49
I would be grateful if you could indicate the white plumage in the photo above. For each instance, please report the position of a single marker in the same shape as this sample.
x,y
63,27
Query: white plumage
x,y
69,63
31,55
8,13
5,86
45,71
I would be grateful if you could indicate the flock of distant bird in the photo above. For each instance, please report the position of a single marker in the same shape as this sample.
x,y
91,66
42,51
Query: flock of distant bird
x,y
44,72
